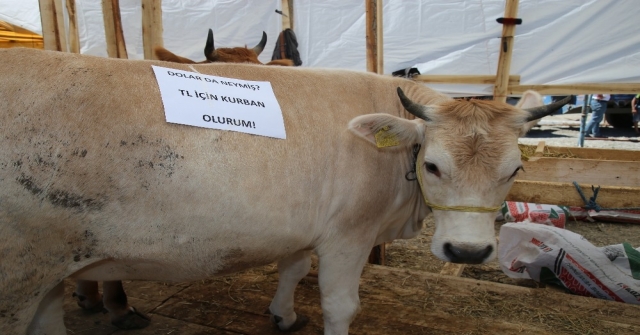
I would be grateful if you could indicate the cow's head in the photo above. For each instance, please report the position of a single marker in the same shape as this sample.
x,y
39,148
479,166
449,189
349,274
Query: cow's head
x,y
222,55
468,160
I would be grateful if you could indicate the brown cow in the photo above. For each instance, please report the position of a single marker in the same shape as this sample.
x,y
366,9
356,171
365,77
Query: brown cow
x,y
223,55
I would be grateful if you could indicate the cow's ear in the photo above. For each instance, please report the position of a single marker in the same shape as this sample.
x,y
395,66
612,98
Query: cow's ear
x,y
529,99
384,130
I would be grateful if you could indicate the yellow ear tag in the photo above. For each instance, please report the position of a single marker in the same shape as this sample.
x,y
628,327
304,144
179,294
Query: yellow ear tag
x,y
385,139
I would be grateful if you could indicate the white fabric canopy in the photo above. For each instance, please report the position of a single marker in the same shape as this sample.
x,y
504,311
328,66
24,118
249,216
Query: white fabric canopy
x,y
185,24
559,42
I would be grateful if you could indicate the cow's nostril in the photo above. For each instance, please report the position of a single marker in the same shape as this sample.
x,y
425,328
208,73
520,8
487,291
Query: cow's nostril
x,y
466,255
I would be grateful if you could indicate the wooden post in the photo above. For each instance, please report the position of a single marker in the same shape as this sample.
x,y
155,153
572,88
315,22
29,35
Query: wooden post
x,y
290,13
506,50
370,14
113,29
373,13
379,36
74,38
151,27
53,33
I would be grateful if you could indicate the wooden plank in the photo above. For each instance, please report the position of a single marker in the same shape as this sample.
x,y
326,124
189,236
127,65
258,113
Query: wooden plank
x,y
581,88
584,171
452,269
116,47
542,192
151,27
74,38
464,79
52,20
506,50
593,153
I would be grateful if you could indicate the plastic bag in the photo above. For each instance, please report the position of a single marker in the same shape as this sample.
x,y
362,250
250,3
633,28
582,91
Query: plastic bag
x,y
560,257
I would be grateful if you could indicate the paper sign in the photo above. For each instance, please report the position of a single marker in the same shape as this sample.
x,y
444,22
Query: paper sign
x,y
201,100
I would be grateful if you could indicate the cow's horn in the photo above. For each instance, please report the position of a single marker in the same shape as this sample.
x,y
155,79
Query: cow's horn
x,y
258,48
209,49
542,111
412,107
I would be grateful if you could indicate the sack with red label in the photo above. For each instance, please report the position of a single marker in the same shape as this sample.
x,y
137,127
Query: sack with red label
x,y
550,215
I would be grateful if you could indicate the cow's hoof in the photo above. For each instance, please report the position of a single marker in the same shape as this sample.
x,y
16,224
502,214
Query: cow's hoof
x,y
131,320
89,305
300,322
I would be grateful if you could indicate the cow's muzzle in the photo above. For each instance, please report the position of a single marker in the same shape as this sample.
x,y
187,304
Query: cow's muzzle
x,y
467,254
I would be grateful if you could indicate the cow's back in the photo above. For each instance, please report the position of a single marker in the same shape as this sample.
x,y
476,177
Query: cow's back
x,y
88,159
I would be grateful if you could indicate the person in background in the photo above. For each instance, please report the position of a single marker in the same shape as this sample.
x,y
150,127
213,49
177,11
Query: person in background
x,y
598,108
635,111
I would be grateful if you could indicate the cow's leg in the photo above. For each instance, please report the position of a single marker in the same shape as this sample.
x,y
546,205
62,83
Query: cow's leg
x,y
339,273
290,270
123,315
50,314
87,295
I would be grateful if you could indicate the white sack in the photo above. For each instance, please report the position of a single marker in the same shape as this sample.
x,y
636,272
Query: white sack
x,y
557,256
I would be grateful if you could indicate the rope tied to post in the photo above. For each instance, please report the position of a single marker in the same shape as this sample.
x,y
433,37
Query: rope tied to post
x,y
592,204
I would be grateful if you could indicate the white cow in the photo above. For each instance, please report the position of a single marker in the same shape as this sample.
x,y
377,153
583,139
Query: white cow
x,y
95,185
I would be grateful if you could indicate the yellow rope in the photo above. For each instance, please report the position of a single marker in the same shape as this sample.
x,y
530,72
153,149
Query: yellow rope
x,y
451,208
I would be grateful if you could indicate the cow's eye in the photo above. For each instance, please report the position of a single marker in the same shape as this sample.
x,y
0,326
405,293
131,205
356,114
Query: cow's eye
x,y
432,168
516,172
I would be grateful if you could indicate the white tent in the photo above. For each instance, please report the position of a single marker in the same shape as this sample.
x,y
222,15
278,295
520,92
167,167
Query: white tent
x,y
185,24
559,42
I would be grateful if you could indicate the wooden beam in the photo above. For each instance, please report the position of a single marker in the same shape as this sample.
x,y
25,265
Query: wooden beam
x,y
506,50
585,88
542,192
370,19
595,153
151,27
464,79
52,19
583,171
116,47
74,38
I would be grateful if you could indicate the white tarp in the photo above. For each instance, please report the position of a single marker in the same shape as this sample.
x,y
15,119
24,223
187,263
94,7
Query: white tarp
x,y
185,24
559,42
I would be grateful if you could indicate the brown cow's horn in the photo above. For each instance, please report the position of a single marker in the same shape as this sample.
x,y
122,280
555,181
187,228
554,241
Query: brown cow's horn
x,y
542,111
258,48
209,50
412,107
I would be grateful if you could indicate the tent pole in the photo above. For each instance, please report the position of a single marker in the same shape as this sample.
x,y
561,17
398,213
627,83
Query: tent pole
x,y
53,33
370,14
113,29
506,50
290,13
379,36
74,39
151,27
